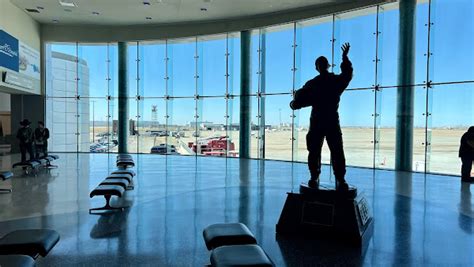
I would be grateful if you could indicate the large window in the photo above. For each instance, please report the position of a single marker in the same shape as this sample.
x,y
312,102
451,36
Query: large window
x,y
184,94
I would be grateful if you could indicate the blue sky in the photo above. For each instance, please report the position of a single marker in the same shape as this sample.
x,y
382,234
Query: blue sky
x,y
452,60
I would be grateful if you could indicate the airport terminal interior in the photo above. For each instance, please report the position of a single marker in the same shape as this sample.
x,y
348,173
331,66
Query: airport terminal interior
x,y
160,133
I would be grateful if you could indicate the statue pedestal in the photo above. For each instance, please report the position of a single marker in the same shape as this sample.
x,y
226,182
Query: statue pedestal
x,y
327,213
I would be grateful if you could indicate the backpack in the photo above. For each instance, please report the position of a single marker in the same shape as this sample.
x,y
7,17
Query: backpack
x,y
25,135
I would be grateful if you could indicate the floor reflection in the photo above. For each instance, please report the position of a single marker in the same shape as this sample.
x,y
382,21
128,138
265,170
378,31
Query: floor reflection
x,y
418,219
466,213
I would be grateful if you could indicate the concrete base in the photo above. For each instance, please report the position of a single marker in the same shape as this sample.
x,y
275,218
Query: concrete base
x,y
327,213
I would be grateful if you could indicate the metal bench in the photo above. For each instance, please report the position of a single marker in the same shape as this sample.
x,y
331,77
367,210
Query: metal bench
x,y
233,244
123,176
31,242
223,234
116,181
28,166
124,171
125,163
240,255
107,191
5,176
16,261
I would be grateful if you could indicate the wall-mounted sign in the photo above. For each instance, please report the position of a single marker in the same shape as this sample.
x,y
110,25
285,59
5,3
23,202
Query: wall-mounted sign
x,y
19,57
29,61
19,65
9,52
12,78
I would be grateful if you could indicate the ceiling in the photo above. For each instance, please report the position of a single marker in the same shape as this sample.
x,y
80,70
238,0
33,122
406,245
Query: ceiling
x,y
135,12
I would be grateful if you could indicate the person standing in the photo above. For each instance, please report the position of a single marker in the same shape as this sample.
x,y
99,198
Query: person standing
x,y
466,153
41,139
25,136
323,94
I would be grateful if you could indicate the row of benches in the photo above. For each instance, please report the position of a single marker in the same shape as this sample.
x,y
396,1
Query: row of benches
x,y
32,166
6,176
115,184
232,244
28,166
21,248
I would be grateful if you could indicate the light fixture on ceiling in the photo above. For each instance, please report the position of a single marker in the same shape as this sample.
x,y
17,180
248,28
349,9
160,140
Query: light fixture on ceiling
x,y
67,3
32,10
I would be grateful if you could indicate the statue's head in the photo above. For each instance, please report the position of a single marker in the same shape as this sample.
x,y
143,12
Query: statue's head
x,y
322,64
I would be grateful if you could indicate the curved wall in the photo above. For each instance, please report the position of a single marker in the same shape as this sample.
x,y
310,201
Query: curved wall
x,y
94,33
190,86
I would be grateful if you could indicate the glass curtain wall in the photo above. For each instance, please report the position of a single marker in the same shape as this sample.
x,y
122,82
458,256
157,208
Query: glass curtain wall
x,y
81,94
184,94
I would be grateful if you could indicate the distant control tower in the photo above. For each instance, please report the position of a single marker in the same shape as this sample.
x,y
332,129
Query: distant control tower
x,y
154,116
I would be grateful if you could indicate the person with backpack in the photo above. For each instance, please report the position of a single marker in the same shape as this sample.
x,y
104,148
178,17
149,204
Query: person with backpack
x,y
466,153
25,136
41,139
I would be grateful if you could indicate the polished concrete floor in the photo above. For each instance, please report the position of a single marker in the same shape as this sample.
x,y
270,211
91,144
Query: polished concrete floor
x,y
419,219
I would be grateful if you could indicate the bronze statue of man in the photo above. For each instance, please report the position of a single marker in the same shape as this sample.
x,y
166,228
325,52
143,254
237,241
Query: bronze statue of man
x,y
323,94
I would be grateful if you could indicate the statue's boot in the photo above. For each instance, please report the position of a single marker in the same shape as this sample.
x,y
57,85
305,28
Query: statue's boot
x,y
313,183
341,185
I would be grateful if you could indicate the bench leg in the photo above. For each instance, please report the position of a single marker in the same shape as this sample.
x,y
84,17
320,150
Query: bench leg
x,y
5,190
107,206
50,166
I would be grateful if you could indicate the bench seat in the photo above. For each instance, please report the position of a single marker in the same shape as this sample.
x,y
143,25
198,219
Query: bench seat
x,y
16,261
111,190
107,190
120,176
43,161
124,160
240,255
223,234
29,242
116,181
125,163
124,171
31,164
6,175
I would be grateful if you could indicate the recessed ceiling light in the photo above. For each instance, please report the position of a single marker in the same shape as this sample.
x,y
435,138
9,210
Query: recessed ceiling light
x,y
32,10
55,21
203,9
148,18
40,7
67,3
95,13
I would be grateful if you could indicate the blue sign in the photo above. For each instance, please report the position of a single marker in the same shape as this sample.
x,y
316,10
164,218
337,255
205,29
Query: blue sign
x,y
9,50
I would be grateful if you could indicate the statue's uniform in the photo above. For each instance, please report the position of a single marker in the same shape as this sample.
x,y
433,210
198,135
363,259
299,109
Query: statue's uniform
x,y
323,93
